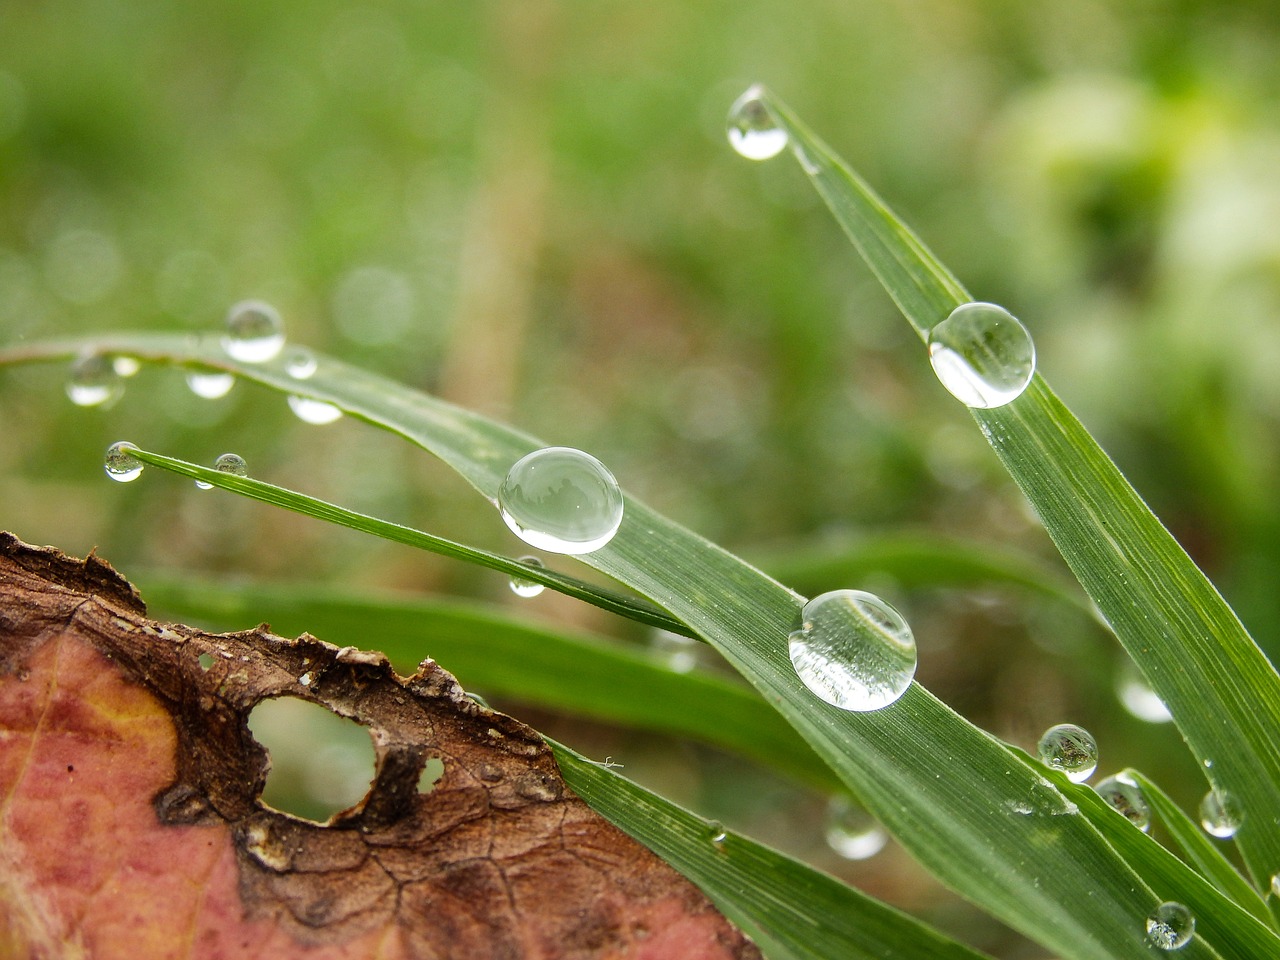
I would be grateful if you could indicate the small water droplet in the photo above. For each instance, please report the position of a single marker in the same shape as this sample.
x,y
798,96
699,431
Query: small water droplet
x,y
300,363
852,832
255,332
1125,796
1220,814
717,832
752,130
527,588
982,354
120,463
1170,926
1275,884
92,381
561,500
1139,699
853,650
210,384
680,653
1070,749
231,463
318,412
206,661
125,366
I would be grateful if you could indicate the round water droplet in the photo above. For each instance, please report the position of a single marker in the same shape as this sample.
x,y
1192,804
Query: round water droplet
x,y
717,832
753,132
527,588
1170,926
853,650
318,412
300,363
1070,749
561,500
1275,884
231,463
255,332
1139,699
92,381
125,366
982,354
1220,814
852,832
211,384
1126,797
120,462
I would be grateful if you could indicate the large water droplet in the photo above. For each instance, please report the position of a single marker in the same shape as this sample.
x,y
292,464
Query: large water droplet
x,y
300,363
210,384
561,500
753,132
1220,814
1124,796
853,650
92,381
1170,926
1070,749
982,354
852,832
120,462
255,332
313,411
527,588
231,463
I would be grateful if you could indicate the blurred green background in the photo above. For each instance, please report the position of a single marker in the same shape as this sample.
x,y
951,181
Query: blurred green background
x,y
529,208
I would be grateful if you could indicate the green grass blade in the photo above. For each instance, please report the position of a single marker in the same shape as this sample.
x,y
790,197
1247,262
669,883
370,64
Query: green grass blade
x,y
496,655
1194,652
944,788
788,908
1200,851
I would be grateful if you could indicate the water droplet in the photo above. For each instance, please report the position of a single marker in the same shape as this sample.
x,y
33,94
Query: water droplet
x,y
300,363
1125,796
1070,749
92,381
1275,884
1170,926
753,132
527,588
231,463
717,832
1220,814
852,832
1139,699
125,366
680,653
120,462
561,500
982,354
255,332
210,384
853,650
318,412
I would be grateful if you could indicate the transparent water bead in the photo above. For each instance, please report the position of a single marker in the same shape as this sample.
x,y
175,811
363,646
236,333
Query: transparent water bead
x,y
717,832
852,832
120,463
982,355
255,332
561,500
853,650
318,412
1170,926
231,463
300,363
527,588
92,381
210,384
1124,796
125,366
752,131
1070,749
1220,814
1139,699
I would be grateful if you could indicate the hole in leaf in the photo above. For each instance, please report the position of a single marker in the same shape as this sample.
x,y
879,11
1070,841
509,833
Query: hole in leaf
x,y
432,771
321,763
206,661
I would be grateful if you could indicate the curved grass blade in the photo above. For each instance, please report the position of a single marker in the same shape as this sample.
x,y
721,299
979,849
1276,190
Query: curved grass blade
x,y
331,513
497,655
1194,652
791,910
959,825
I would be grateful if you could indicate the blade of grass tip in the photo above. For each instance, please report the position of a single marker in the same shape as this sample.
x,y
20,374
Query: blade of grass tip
x,y
790,909
1200,851
634,609
496,655
1192,649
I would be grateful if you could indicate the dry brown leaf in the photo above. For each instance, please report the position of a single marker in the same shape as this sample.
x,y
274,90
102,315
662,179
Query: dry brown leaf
x,y
130,824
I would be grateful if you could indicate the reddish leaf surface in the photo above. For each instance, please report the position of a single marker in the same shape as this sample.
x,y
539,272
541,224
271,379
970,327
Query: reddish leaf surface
x,y
130,825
